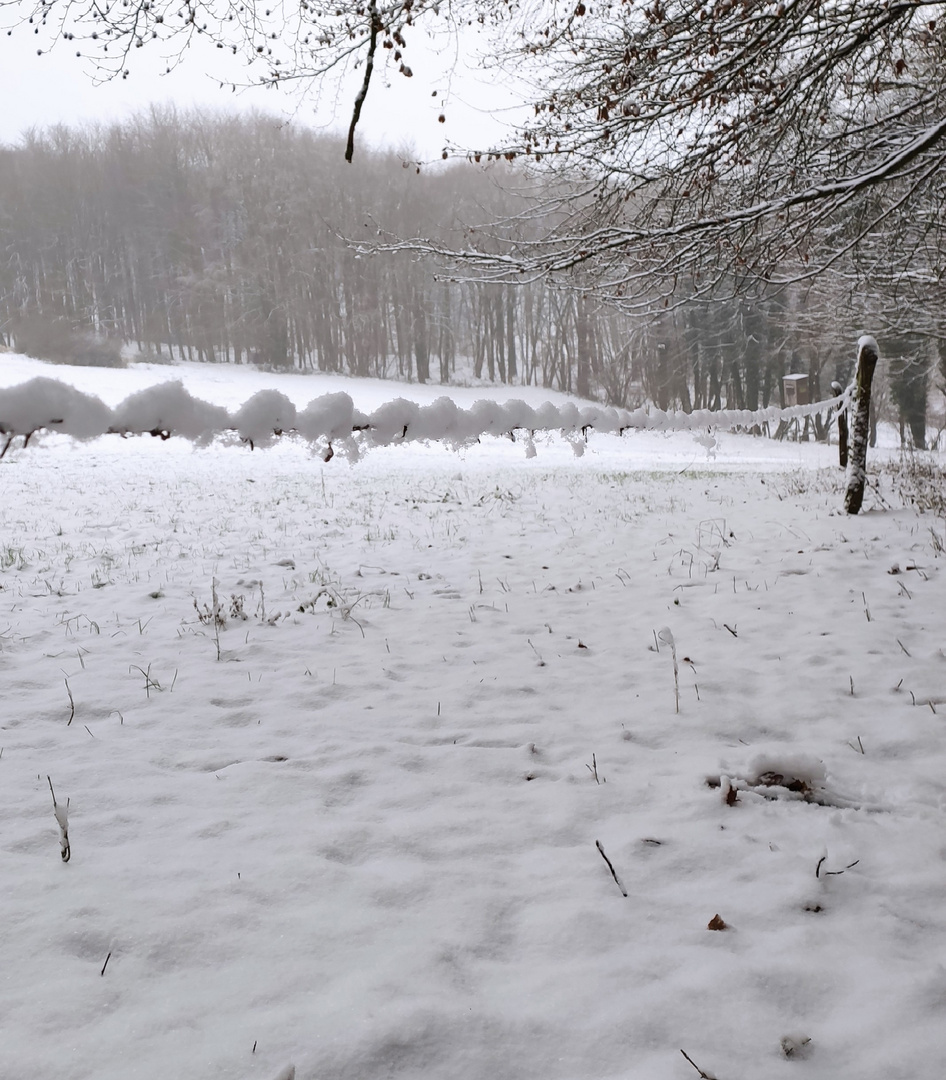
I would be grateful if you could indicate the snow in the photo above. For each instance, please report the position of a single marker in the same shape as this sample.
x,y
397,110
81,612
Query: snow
x,y
44,401
865,341
367,842
166,408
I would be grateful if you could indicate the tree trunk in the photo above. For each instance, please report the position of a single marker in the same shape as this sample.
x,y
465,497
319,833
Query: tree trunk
x,y
867,355
421,344
511,367
583,360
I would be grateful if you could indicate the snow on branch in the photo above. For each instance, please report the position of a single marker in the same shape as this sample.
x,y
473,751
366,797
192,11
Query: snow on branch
x,y
688,241
169,409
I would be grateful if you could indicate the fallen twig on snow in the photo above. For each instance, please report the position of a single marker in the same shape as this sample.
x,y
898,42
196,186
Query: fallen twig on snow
x,y
704,1075
618,882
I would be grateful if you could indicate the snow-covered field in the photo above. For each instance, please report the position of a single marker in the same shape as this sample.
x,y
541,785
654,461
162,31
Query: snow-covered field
x,y
358,824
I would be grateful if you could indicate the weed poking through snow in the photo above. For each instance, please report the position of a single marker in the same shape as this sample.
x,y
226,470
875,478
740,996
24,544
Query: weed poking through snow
x,y
666,637
62,820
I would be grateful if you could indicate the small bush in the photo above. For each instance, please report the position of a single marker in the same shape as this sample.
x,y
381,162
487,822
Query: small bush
x,y
150,356
919,480
56,341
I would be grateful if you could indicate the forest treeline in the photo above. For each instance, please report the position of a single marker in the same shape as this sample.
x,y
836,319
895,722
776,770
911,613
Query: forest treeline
x,y
228,238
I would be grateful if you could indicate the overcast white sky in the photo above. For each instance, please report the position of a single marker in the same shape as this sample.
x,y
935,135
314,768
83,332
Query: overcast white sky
x,y
38,91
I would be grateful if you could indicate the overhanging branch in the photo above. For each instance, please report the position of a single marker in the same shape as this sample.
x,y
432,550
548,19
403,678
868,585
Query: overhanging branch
x,y
366,82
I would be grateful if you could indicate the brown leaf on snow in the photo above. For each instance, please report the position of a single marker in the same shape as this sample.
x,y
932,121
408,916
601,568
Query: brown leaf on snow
x,y
716,923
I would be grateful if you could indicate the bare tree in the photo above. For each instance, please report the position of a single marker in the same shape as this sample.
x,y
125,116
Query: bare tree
x,y
221,238
742,136
714,144
719,148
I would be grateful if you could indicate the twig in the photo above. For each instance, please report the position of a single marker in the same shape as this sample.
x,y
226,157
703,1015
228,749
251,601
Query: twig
x,y
832,873
617,880
72,704
216,614
105,965
62,820
593,769
704,1075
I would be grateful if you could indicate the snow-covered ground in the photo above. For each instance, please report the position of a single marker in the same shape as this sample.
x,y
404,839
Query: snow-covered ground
x,y
358,823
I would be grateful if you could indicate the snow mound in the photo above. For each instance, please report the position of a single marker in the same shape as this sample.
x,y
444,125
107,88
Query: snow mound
x,y
168,409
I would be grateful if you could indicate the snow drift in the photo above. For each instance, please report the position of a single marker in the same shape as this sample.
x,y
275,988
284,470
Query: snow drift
x,y
169,409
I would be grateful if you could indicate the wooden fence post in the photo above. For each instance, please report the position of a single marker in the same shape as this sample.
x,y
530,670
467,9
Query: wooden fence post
x,y
837,389
867,356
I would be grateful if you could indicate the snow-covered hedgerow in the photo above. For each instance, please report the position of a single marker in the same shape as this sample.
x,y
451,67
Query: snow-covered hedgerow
x,y
169,409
